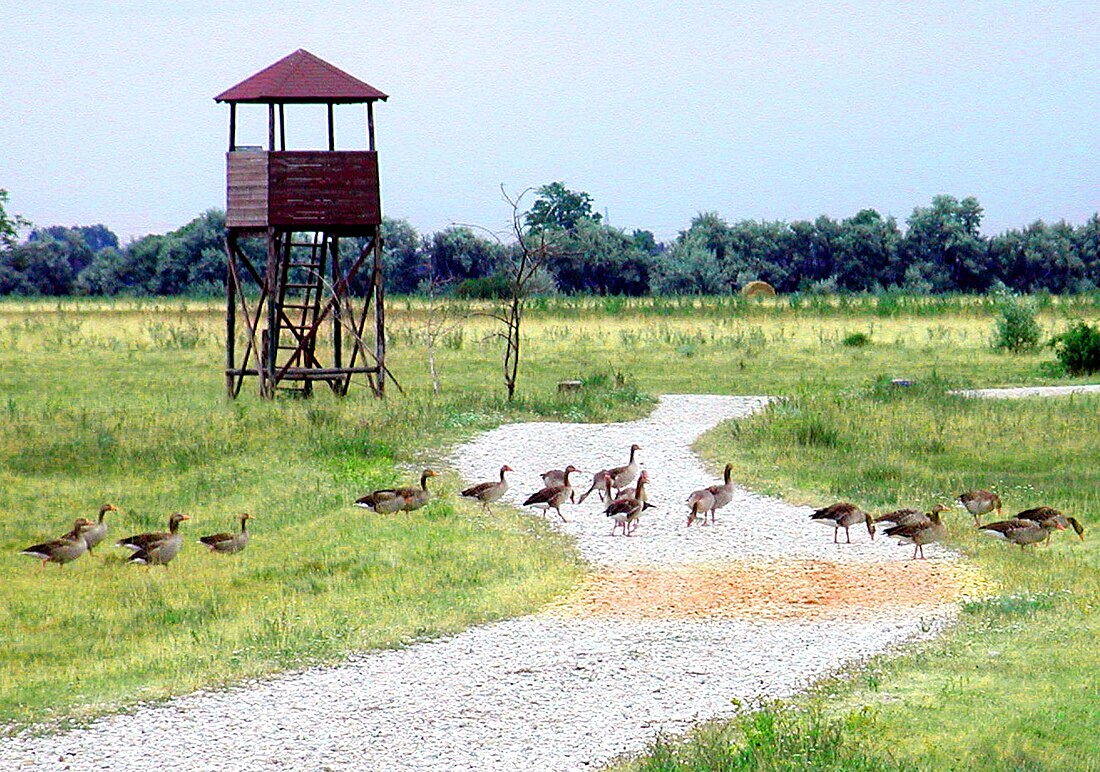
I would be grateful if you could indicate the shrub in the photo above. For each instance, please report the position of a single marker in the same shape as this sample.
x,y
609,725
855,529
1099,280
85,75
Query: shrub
x,y
1078,349
484,288
857,339
1017,330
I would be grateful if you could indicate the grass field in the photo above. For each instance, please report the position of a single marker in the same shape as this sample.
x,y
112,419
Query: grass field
x,y
122,401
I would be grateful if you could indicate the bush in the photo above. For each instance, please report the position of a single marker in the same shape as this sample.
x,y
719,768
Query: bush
x,y
1078,349
1017,330
485,288
857,339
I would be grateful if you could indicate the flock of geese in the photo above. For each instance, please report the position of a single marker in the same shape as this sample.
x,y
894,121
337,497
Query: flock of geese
x,y
156,548
911,526
626,500
621,488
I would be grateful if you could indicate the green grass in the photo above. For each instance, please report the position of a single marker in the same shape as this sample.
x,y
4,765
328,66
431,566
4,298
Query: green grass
x,y
122,401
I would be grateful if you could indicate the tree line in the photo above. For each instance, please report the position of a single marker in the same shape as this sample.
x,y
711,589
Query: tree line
x,y
939,249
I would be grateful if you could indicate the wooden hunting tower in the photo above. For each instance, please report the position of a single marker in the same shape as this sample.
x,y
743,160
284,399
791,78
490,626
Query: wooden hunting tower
x,y
299,204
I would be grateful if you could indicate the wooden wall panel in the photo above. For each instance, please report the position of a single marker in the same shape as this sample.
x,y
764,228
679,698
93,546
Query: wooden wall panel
x,y
246,189
324,188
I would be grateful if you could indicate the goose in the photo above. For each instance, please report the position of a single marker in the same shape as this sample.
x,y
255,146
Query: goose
x,y
712,498
156,548
920,533
557,477
980,502
910,516
390,500
622,476
701,502
228,543
65,549
488,492
626,509
98,532
415,498
843,515
723,494
1021,531
1041,514
553,495
601,483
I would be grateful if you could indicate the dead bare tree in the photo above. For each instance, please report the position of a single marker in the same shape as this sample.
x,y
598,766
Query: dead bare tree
x,y
531,249
527,250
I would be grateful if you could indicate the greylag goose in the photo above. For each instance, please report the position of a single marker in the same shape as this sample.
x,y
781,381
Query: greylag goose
x,y
712,498
98,532
843,515
622,476
1023,532
701,502
156,548
488,492
626,509
723,494
920,533
910,516
980,502
390,500
557,477
1042,514
553,496
601,483
65,549
226,542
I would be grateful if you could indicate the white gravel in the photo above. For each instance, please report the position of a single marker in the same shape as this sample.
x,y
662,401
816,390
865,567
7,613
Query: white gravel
x,y
538,692
1031,391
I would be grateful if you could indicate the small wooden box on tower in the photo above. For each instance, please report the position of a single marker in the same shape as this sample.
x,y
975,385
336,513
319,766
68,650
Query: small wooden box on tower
x,y
299,204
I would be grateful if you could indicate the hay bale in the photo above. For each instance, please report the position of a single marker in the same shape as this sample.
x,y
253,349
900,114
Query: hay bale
x,y
758,289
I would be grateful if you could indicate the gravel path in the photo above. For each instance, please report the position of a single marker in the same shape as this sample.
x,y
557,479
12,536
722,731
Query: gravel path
x,y
562,690
1031,391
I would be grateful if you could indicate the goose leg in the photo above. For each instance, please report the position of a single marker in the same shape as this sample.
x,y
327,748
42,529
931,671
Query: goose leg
x,y
847,534
836,534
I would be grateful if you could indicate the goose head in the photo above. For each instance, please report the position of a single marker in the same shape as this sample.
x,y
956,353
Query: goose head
x,y
1077,527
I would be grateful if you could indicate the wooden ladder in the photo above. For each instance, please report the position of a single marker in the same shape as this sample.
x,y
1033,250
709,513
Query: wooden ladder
x,y
301,288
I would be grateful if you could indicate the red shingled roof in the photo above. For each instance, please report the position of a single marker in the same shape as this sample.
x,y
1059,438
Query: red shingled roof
x,y
301,77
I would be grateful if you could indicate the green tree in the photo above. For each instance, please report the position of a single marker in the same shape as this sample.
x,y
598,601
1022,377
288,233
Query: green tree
x,y
688,267
9,224
595,257
457,253
866,252
558,207
943,249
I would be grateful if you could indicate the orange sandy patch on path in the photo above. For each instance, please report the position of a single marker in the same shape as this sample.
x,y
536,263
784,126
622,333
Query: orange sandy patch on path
x,y
797,589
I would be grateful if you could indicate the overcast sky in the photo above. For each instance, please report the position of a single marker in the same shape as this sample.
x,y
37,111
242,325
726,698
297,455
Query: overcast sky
x,y
660,110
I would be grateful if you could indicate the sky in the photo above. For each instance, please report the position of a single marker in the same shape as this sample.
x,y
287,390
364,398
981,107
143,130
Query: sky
x,y
659,110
